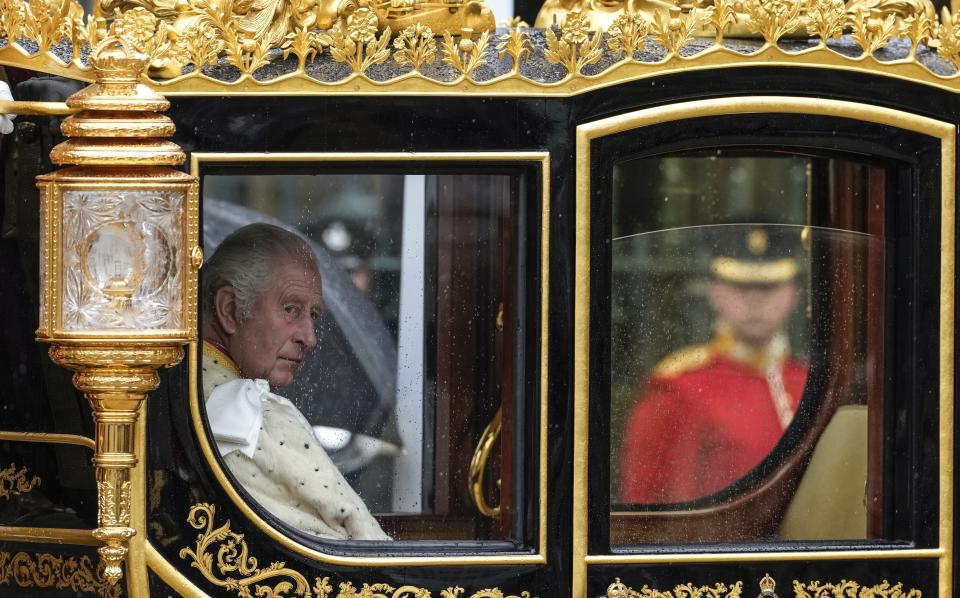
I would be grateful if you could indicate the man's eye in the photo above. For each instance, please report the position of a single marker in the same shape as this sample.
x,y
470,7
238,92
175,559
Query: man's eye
x,y
292,310
314,315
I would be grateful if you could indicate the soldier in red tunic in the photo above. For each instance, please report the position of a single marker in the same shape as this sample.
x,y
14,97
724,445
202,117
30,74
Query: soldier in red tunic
x,y
711,413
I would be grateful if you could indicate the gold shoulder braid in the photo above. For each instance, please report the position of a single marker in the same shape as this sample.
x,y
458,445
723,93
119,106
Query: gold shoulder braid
x,y
220,358
683,360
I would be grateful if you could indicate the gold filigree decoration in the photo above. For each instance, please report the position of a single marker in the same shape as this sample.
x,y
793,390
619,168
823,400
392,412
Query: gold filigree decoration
x,y
852,589
465,55
576,46
114,513
44,570
455,592
688,590
237,570
380,590
14,481
415,46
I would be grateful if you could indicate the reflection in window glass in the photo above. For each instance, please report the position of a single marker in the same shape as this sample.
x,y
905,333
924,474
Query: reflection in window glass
x,y
746,342
393,365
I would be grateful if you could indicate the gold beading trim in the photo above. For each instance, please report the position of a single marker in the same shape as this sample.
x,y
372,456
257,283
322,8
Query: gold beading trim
x,y
943,131
687,590
575,45
14,481
44,570
419,158
237,570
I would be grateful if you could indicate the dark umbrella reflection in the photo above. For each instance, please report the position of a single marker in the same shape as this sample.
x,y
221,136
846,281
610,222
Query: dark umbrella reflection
x,y
348,382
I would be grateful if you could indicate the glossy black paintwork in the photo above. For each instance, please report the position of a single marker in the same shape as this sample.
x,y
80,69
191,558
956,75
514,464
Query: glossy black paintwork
x,y
35,394
472,124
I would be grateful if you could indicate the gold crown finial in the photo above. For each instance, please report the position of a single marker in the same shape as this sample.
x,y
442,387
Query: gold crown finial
x,y
115,61
767,587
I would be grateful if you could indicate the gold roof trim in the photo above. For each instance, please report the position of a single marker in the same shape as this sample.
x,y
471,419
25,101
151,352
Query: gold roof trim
x,y
360,54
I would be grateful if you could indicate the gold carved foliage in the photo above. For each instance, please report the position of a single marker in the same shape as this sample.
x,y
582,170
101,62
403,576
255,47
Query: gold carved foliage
x,y
44,570
826,19
627,34
576,46
465,55
14,481
199,33
516,44
852,589
415,47
774,19
222,556
357,44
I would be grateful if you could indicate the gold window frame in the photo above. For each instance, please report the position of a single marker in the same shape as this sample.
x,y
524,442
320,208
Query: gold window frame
x,y
943,131
197,159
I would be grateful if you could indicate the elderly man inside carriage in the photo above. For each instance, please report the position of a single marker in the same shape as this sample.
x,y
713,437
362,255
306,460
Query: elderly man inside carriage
x,y
261,295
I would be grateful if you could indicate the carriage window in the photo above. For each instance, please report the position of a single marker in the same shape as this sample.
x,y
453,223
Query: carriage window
x,y
746,348
383,368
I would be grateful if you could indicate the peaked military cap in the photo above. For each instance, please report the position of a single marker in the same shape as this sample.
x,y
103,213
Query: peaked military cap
x,y
756,254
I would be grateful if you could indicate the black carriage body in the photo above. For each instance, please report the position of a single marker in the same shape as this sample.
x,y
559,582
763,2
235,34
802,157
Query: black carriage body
x,y
564,252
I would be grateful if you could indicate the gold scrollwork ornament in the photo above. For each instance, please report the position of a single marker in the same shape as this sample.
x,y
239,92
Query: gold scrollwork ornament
x,y
237,570
719,590
14,481
44,570
816,589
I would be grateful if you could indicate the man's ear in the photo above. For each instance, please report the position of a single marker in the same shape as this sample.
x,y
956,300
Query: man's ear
x,y
225,309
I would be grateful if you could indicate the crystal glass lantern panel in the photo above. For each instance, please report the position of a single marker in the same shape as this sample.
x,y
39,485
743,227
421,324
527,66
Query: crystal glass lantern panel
x,y
120,259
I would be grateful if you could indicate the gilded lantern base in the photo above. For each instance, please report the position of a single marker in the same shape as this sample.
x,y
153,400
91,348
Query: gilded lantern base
x,y
115,379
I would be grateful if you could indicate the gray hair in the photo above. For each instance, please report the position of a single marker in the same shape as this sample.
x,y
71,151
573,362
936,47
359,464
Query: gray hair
x,y
246,261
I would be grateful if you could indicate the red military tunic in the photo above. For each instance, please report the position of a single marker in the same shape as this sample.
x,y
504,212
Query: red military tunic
x,y
707,417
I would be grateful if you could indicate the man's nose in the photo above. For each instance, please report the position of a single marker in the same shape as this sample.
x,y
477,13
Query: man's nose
x,y
307,334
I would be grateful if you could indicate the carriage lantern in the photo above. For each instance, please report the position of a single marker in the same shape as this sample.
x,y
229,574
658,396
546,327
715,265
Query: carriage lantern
x,y
119,260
